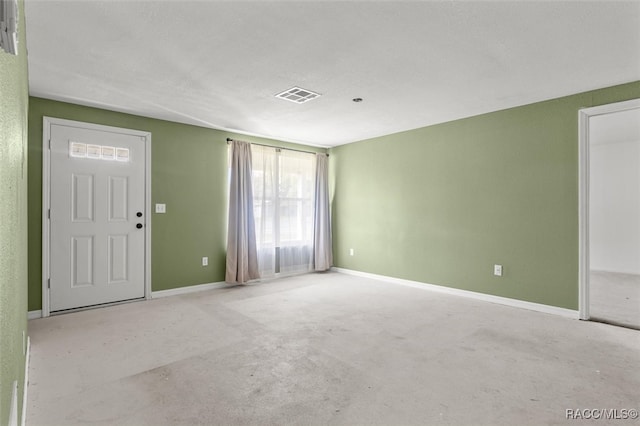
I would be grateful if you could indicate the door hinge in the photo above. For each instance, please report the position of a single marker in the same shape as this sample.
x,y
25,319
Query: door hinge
x,y
49,143
49,283
49,214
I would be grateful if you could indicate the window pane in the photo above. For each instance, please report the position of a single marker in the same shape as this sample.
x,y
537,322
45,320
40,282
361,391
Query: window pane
x,y
283,192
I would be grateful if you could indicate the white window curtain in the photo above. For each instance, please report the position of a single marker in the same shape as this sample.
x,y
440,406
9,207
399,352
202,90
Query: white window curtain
x,y
242,263
322,250
284,200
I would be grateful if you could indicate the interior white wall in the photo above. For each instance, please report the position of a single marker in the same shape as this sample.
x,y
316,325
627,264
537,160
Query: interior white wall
x,y
614,211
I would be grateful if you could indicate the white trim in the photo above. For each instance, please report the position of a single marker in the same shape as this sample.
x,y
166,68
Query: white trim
x,y
34,315
27,360
147,215
13,408
583,214
612,108
189,289
538,307
46,192
583,195
47,122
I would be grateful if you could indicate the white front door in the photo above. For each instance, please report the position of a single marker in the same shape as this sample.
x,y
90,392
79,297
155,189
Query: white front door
x,y
97,216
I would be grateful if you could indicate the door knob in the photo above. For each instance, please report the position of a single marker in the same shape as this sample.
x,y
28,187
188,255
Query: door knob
x,y
139,225
139,214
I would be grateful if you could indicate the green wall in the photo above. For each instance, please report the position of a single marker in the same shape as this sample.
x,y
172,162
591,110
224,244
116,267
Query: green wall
x,y
14,103
188,174
443,204
440,204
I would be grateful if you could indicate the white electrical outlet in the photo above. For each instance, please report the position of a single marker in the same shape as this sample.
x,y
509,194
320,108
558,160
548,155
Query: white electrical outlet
x,y
350,252
497,270
161,208
205,261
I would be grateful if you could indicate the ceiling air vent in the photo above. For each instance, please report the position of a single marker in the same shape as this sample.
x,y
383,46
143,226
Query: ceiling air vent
x,y
298,95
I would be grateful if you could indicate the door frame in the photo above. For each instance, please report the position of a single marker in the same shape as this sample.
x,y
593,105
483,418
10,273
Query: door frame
x,y
583,196
47,122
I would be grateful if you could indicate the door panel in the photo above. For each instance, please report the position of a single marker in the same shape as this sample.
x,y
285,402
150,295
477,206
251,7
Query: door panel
x,y
118,258
82,198
82,261
97,187
118,199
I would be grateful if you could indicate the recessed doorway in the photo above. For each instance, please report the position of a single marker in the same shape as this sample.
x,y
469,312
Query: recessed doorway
x,y
610,214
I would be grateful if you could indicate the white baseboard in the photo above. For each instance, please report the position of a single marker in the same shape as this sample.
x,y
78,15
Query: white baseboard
x,y
610,271
189,289
34,314
26,382
548,309
162,293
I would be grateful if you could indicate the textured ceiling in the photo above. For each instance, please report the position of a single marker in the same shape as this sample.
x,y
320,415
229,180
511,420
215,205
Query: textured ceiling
x,y
219,64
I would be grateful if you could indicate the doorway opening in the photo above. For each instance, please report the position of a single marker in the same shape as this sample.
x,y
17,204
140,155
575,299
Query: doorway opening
x,y
610,213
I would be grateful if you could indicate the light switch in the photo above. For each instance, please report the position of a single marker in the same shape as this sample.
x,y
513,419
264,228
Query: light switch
x,y
161,208
497,270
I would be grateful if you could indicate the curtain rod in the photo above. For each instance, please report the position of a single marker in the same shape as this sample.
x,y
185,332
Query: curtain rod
x,y
279,147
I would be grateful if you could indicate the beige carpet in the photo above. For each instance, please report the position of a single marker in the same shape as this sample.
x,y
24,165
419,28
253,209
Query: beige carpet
x,y
325,349
615,298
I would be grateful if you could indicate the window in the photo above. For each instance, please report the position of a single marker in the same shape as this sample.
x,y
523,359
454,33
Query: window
x,y
98,152
283,194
